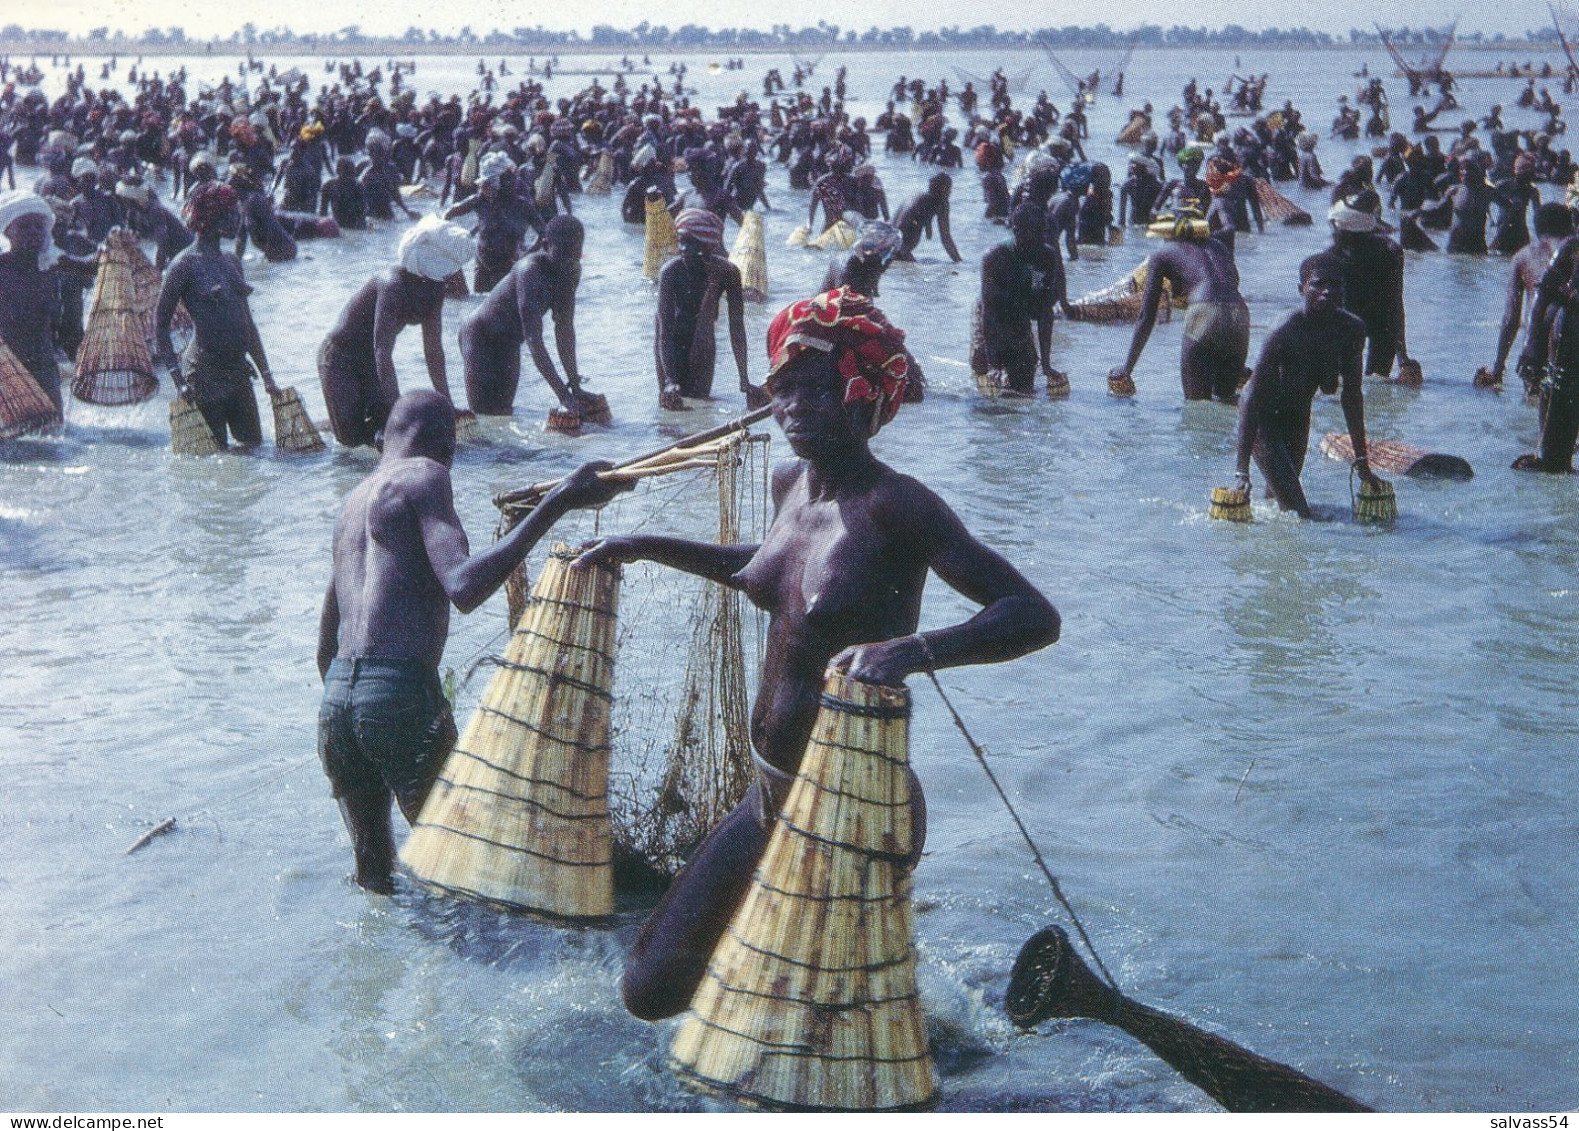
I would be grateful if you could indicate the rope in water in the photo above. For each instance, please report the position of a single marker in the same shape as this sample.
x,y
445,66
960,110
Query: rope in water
x,y
1036,853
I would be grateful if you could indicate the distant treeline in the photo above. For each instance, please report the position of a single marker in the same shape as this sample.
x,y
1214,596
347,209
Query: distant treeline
x,y
781,37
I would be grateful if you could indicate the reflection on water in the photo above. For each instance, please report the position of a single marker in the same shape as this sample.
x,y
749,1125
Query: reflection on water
x,y
1307,783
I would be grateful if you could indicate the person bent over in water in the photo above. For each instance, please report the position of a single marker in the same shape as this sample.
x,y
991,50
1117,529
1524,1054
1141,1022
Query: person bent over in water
x,y
208,281
840,575
917,217
1021,281
356,362
689,289
491,336
1217,323
400,560
1313,349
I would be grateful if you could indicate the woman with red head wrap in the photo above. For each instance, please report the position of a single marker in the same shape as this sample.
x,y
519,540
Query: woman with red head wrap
x,y
214,373
840,575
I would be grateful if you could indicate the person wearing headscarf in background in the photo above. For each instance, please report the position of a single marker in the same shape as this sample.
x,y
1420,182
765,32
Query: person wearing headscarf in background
x,y
29,286
918,216
97,211
503,219
684,335
258,221
544,282
834,191
381,182
1234,197
1199,265
876,244
151,220
356,363
994,186
1373,279
1137,196
1316,348
214,373
859,538
1515,197
1022,280
1188,193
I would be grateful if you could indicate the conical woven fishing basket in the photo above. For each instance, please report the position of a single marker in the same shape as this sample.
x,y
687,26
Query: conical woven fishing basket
x,y
24,406
750,255
1123,386
145,285
1117,302
662,242
1276,206
798,237
1230,504
838,237
113,363
1376,504
520,814
601,183
293,428
810,1001
190,434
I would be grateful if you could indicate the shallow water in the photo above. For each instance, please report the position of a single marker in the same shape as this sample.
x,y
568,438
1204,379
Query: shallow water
x,y
1304,782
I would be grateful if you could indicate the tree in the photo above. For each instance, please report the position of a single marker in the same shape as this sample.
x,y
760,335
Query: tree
x,y
99,33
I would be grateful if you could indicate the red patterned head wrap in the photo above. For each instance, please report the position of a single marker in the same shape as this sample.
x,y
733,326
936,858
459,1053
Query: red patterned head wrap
x,y
702,225
868,351
208,204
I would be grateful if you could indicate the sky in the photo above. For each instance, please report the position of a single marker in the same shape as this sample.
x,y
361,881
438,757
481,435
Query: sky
x,y
482,16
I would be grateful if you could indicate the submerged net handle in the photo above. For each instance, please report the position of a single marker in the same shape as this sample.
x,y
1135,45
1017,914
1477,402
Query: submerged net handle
x,y
680,450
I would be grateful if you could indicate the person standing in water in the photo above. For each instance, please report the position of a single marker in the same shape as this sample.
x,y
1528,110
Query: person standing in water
x,y
1212,355
840,574
1314,349
689,289
214,373
401,559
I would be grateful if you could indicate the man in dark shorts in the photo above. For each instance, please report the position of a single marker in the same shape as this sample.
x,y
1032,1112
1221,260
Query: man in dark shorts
x,y
1311,350
214,372
400,560
1217,324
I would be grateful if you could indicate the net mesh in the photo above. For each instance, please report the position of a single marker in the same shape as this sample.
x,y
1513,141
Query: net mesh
x,y
681,730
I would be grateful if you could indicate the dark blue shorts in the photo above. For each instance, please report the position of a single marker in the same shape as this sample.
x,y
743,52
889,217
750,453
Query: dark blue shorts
x,y
384,725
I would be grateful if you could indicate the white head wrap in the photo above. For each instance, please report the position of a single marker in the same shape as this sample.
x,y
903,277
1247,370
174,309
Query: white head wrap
x,y
17,204
493,166
83,165
435,248
1347,218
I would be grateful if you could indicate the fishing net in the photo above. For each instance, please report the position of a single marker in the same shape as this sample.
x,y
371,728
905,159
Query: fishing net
x,y
681,717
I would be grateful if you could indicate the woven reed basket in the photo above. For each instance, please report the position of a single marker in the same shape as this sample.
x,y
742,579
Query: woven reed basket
x,y
1376,505
519,817
190,434
24,406
1230,504
294,430
809,1002
662,241
113,363
750,256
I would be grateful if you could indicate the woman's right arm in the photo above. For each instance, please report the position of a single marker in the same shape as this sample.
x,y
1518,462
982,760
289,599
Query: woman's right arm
x,y
705,559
